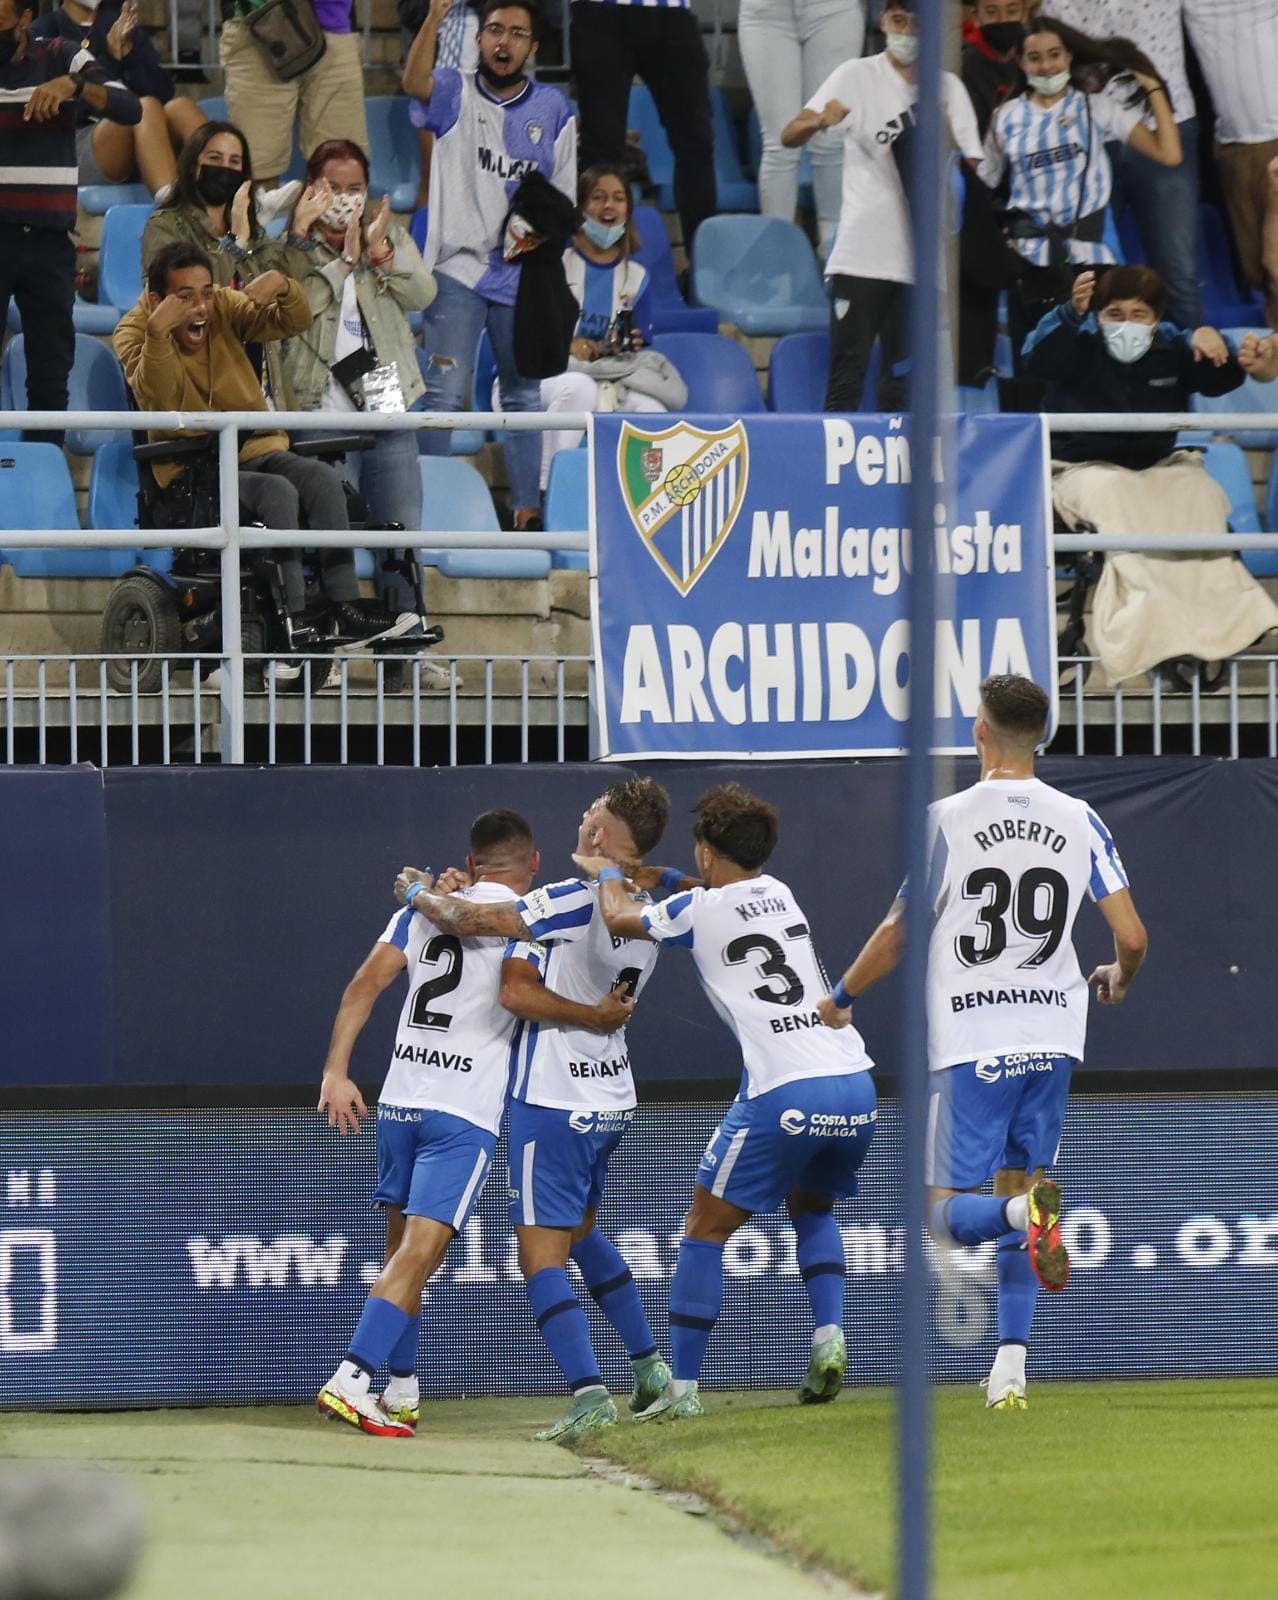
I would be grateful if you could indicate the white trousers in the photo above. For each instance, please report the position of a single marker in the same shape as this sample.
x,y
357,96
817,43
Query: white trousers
x,y
789,48
578,391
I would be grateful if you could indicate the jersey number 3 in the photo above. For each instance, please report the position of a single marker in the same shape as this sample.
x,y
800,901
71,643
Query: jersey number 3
x,y
444,947
784,986
1039,907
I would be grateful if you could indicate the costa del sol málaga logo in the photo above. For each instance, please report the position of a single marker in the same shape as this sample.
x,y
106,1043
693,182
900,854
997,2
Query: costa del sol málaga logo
x,y
684,488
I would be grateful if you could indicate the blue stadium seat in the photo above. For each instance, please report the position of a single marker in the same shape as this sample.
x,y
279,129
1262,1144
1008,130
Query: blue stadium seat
x,y
717,371
36,492
1224,303
972,400
568,504
670,313
1228,466
1265,562
394,150
759,273
214,108
120,256
98,198
735,191
113,485
1252,396
456,499
466,441
97,384
642,116
797,372
1130,247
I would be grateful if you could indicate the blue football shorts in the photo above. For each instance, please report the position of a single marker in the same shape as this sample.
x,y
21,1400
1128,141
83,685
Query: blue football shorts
x,y
810,1134
430,1163
559,1162
1000,1111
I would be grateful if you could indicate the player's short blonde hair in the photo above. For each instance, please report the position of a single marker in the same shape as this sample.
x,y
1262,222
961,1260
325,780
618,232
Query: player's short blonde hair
x,y
644,806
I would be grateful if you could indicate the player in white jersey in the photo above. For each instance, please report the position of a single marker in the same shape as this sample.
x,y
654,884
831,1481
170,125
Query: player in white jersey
x,y
439,1113
572,1100
800,1128
1011,862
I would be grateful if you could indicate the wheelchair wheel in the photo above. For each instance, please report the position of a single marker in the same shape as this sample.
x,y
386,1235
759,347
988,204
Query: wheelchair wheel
x,y
141,618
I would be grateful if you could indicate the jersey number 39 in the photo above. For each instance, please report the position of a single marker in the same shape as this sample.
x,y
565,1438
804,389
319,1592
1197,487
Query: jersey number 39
x,y
1039,906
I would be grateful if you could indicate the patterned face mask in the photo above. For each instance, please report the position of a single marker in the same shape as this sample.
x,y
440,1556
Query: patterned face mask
x,y
341,208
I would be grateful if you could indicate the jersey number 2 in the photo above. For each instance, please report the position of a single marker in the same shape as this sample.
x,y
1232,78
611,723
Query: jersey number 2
x,y
443,947
993,888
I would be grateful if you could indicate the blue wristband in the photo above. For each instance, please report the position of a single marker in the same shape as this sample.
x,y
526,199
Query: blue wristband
x,y
413,890
670,880
841,997
611,874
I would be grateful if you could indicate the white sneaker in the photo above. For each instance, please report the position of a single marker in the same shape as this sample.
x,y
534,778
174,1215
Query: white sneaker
x,y
1008,1396
359,1411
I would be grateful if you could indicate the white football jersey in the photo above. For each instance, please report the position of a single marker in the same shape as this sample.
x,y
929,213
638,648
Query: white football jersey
x,y
571,1068
452,1046
1011,862
756,961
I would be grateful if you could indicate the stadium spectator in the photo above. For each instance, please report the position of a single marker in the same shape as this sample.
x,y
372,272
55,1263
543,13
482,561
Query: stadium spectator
x,y
326,101
613,41
870,103
113,152
40,84
363,280
787,47
211,206
1236,42
1049,143
1107,349
610,367
457,45
1162,197
1259,357
491,130
991,73
182,348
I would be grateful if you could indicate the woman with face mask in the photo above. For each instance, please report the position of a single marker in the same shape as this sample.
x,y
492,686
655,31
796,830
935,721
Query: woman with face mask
x,y
615,324
363,278
1047,145
1108,349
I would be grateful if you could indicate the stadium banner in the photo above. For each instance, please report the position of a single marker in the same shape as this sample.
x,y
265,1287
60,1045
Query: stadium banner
x,y
749,581
223,1256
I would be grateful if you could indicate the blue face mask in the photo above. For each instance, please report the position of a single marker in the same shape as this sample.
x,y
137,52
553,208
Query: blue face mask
x,y
603,235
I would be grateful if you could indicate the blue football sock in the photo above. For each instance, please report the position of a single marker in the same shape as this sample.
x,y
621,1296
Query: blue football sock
x,y
822,1266
564,1327
402,1360
970,1218
1017,1290
381,1326
610,1282
696,1297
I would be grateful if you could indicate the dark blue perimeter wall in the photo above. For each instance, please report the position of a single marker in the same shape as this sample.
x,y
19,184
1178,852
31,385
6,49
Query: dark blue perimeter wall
x,y
169,928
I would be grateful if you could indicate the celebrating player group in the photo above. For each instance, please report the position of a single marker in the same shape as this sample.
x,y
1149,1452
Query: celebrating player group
x,y
517,1004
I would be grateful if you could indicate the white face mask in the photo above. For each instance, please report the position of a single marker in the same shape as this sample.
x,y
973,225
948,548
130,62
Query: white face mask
x,y
1127,341
1049,86
341,208
903,48
89,5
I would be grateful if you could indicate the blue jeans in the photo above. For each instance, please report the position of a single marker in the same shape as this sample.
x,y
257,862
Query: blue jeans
x,y
1165,203
390,481
453,325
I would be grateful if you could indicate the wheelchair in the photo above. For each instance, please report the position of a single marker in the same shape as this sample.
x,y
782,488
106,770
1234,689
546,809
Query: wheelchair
x,y
152,613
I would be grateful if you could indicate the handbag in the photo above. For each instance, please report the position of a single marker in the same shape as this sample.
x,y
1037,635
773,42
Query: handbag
x,y
289,36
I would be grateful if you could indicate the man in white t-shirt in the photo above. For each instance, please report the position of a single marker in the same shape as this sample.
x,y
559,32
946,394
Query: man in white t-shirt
x,y
1011,862
802,1124
440,1108
1236,42
871,102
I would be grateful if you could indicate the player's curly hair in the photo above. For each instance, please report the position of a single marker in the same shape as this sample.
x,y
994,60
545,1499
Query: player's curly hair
x,y
737,824
644,806
1016,706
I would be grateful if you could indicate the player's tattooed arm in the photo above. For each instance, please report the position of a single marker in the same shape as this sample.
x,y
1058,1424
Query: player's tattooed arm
x,y
524,994
622,916
880,953
466,918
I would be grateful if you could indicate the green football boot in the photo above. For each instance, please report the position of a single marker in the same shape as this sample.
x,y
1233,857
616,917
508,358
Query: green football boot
x,y
589,1414
824,1377
672,1407
651,1377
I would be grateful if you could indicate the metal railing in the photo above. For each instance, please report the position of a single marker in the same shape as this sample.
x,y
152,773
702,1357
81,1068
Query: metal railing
x,y
500,706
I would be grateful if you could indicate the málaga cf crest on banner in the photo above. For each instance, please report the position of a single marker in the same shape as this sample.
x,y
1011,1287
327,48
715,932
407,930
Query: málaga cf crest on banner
x,y
684,488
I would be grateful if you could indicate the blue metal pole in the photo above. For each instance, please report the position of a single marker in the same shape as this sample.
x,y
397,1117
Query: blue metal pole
x,y
914,1564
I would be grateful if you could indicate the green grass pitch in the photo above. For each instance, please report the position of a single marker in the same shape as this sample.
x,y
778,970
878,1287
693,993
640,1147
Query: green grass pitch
x,y
1102,1490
